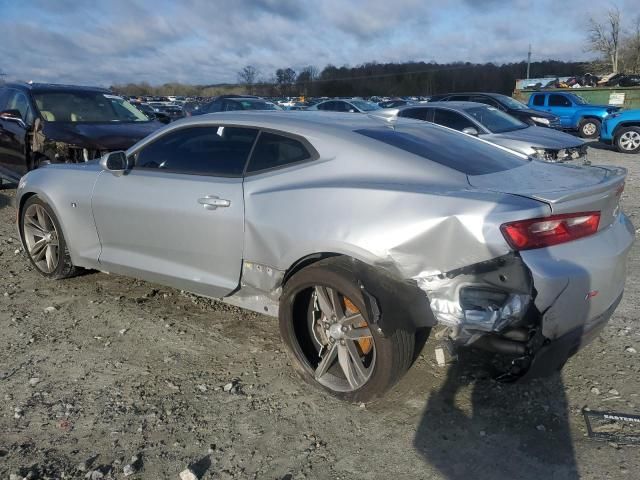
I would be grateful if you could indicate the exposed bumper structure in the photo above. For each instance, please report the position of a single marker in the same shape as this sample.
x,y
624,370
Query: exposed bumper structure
x,y
540,305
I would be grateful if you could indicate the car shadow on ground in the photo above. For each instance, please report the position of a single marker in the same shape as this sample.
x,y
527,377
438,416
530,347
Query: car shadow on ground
x,y
498,431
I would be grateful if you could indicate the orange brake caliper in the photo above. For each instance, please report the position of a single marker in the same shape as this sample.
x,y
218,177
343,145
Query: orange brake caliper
x,y
366,343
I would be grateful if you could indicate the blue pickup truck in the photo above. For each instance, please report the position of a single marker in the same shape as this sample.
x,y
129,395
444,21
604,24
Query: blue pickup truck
x,y
622,130
574,111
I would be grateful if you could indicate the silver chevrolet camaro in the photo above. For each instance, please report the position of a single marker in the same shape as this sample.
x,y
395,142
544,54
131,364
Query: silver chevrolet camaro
x,y
359,235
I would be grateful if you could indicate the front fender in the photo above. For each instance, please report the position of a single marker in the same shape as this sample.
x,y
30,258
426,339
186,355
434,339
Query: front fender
x,y
68,192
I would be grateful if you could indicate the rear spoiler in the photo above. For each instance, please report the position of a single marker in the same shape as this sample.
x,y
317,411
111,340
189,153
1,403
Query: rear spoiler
x,y
614,179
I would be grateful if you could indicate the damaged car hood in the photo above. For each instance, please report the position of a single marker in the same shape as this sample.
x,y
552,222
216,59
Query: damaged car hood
x,y
536,137
100,136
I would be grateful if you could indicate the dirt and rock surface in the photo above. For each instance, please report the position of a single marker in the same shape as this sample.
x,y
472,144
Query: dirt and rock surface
x,y
107,377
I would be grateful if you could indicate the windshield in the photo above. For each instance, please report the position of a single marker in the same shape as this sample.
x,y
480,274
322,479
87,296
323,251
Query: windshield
x,y
90,107
258,105
494,120
512,103
364,106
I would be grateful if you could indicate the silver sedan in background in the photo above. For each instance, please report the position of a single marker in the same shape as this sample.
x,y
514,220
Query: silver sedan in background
x,y
360,236
351,105
496,126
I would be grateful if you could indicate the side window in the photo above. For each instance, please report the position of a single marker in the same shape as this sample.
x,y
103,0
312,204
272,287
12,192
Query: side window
x,y
486,101
538,100
452,119
559,101
18,101
216,151
276,151
417,113
231,106
342,107
214,107
326,106
4,99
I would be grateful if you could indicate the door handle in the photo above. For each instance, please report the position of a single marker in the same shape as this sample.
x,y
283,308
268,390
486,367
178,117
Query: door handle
x,y
211,202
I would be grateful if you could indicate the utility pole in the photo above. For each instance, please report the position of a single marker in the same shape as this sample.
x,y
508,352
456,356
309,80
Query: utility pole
x,y
529,62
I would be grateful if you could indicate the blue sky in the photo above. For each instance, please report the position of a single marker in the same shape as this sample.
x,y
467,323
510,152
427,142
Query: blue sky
x,y
209,41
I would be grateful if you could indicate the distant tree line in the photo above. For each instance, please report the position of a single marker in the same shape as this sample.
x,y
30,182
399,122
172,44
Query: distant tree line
x,y
384,79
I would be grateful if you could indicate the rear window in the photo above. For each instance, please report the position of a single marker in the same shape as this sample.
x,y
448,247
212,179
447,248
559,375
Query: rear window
x,y
454,150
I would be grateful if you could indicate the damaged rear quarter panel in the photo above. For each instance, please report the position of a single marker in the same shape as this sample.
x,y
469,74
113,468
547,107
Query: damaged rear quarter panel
x,y
409,227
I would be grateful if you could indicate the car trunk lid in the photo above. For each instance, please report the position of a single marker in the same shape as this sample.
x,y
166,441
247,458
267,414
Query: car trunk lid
x,y
565,188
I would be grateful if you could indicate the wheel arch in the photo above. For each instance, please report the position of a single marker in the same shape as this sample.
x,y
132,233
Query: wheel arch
x,y
45,198
629,123
392,302
591,116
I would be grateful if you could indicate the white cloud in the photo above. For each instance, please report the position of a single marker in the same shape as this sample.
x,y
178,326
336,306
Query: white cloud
x,y
201,41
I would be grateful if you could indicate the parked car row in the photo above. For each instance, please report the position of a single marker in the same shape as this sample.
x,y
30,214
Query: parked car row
x,y
357,233
496,126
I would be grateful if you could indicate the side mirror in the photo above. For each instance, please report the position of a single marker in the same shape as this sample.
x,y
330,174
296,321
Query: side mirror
x,y
12,116
352,110
115,162
470,131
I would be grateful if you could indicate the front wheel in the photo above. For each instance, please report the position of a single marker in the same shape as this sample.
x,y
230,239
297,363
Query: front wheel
x,y
627,140
324,323
44,241
589,128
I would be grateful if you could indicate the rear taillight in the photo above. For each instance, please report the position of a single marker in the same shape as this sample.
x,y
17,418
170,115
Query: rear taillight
x,y
548,231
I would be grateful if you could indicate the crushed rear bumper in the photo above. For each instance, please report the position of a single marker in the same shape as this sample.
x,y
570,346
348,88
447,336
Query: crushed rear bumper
x,y
552,356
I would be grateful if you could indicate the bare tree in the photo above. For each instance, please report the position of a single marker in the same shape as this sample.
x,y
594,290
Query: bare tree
x,y
247,77
605,37
633,46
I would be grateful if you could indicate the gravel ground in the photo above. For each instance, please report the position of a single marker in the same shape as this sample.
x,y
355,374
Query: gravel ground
x,y
98,369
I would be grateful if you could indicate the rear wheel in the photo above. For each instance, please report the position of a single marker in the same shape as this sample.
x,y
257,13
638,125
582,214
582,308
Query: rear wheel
x,y
324,324
589,128
44,241
627,140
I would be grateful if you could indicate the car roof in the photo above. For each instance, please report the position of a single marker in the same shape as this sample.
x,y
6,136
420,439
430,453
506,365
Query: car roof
x,y
456,105
487,94
289,119
245,99
309,124
36,87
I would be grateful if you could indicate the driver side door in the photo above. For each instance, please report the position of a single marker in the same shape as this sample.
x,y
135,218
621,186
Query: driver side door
x,y
176,217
